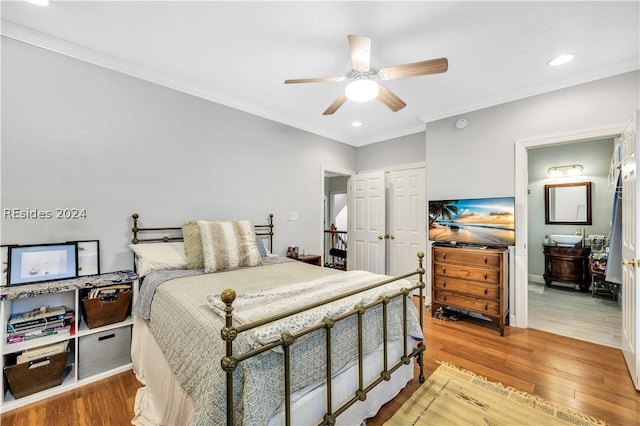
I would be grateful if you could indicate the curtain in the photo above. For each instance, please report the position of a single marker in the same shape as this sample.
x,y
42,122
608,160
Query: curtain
x,y
613,270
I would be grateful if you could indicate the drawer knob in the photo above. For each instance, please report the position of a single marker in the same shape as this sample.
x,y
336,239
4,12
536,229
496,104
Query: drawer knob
x,y
485,259
485,275
486,306
444,270
444,255
445,298
444,283
485,290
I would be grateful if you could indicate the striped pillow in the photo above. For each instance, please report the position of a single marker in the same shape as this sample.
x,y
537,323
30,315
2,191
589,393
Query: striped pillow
x,y
192,244
228,245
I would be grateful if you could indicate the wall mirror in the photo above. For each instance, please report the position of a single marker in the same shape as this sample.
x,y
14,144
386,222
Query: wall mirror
x,y
568,203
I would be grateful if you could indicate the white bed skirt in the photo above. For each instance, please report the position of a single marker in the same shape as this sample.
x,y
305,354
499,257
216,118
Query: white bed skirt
x,y
162,401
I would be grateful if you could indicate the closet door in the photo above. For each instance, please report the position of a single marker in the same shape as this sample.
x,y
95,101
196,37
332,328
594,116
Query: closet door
x,y
406,219
366,250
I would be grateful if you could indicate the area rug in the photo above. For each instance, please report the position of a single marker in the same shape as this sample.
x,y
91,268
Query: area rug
x,y
454,396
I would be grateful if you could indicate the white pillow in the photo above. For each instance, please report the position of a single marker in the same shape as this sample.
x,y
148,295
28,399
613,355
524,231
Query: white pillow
x,y
152,257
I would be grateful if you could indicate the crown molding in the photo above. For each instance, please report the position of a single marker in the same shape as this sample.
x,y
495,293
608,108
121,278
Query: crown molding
x,y
609,71
73,50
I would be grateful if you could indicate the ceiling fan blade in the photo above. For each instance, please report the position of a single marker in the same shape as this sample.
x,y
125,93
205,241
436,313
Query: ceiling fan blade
x,y
388,98
360,50
314,80
335,105
432,66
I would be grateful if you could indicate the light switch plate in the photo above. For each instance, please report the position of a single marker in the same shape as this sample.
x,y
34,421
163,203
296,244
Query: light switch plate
x,y
293,215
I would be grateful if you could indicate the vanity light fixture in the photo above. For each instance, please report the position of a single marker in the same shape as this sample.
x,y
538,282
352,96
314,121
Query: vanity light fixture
x,y
561,59
569,170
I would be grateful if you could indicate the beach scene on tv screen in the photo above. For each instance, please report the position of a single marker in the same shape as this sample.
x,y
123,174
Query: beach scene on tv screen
x,y
483,221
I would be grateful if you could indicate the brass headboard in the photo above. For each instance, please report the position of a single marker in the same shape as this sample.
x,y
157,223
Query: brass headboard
x,y
175,232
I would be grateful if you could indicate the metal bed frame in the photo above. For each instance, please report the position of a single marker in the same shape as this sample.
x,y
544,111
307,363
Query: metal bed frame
x,y
230,331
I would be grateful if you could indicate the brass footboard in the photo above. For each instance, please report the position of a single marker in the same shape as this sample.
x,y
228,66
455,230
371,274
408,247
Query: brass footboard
x,y
230,332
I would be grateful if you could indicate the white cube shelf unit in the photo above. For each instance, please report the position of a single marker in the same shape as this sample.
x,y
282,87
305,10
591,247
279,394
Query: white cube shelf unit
x,y
24,298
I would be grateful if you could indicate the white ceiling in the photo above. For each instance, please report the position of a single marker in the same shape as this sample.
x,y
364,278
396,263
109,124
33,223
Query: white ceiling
x,y
239,53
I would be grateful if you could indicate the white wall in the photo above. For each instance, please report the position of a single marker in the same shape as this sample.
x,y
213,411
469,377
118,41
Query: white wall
x,y
478,161
407,149
77,135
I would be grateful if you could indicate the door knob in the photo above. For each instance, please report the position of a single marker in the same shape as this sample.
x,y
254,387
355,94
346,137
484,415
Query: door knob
x,y
392,237
632,262
381,237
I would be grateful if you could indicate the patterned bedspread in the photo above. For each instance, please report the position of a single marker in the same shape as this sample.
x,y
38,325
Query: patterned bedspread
x,y
187,328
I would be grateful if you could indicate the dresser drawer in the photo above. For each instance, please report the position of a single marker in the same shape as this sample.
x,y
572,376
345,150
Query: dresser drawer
x,y
466,272
482,306
489,290
467,257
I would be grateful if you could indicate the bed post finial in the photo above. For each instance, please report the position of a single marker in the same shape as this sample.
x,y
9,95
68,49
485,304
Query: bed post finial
x,y
228,296
420,260
135,217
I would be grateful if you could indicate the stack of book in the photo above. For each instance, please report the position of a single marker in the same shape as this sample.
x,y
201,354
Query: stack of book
x,y
111,290
42,352
40,322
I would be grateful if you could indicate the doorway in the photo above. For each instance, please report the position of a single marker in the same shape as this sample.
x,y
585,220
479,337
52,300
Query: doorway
x,y
561,306
520,302
335,219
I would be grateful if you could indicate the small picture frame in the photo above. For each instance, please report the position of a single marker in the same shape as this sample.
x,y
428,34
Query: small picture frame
x,y
292,252
88,257
43,262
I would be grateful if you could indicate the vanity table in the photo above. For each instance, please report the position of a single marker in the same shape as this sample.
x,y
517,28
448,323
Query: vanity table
x,y
568,265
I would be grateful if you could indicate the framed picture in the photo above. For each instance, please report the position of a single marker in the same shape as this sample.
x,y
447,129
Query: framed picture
x,y
292,252
44,262
4,257
88,257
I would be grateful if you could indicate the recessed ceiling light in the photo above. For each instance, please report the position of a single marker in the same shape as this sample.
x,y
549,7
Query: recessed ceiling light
x,y
356,123
562,59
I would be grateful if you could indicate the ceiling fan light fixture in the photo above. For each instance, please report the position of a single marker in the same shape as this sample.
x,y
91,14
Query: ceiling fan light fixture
x,y
362,90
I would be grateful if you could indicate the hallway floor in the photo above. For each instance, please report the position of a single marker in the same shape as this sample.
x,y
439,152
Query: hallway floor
x,y
571,313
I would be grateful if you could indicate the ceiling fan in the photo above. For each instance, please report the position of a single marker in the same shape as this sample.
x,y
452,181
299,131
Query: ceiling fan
x,y
363,86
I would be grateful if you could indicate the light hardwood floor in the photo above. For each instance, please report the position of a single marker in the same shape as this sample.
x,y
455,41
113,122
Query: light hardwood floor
x,y
571,313
579,374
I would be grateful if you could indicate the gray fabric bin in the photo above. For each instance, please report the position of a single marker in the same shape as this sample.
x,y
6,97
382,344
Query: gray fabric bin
x,y
104,351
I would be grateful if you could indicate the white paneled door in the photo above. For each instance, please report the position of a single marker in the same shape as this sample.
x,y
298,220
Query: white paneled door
x,y
406,219
631,248
367,216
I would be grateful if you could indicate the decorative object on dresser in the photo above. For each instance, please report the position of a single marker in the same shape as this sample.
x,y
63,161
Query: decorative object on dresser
x,y
568,265
471,279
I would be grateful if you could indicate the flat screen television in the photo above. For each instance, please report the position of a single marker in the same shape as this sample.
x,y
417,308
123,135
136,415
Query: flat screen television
x,y
473,221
